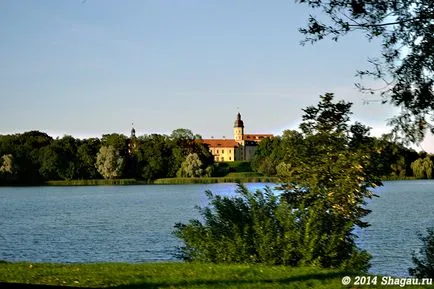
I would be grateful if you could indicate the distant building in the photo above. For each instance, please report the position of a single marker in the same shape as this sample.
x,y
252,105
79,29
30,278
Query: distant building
x,y
241,148
132,141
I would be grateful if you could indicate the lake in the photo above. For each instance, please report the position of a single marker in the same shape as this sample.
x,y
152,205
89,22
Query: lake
x,y
134,223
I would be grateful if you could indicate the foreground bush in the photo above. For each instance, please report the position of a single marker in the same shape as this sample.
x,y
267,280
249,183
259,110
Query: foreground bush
x,y
424,261
264,228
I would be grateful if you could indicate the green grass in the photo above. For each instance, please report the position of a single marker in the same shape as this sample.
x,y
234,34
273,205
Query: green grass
x,y
212,180
171,275
230,178
100,182
243,175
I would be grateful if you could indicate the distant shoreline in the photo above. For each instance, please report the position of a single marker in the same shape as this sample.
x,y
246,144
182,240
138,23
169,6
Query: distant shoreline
x,y
170,181
162,181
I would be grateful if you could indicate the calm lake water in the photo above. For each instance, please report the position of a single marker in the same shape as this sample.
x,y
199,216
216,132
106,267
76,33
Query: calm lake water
x,y
134,223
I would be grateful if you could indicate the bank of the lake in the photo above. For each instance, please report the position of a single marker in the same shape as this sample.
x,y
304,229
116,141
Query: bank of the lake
x,y
173,275
231,178
165,181
216,180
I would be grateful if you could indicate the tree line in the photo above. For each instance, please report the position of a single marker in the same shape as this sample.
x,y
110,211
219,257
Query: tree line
x,y
389,159
34,157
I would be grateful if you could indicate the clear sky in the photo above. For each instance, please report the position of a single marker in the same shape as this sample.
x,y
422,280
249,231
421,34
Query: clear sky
x,y
89,67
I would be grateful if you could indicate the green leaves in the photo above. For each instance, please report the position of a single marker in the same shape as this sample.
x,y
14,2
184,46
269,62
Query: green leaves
x,y
109,162
328,117
191,167
407,64
422,168
424,260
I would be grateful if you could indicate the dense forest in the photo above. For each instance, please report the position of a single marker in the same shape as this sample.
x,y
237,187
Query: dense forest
x,y
388,159
34,157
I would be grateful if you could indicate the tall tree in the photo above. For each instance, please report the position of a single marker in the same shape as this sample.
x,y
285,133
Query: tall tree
x,y
328,182
406,28
86,154
118,141
184,142
153,154
26,149
328,117
191,167
422,167
109,162
59,159
8,168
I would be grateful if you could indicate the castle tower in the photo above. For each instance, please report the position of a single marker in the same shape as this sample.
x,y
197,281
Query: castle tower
x,y
238,129
132,142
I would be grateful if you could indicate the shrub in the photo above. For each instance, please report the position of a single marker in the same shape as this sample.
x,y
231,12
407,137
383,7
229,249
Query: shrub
x,y
424,261
262,227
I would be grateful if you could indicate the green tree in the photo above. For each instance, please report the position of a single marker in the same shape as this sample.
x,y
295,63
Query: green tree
x,y
26,149
59,159
191,167
270,153
327,118
118,141
182,134
424,261
330,181
8,168
183,143
86,154
153,154
109,163
422,168
407,63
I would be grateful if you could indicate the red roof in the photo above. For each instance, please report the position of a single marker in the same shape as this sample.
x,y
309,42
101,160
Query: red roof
x,y
256,137
224,143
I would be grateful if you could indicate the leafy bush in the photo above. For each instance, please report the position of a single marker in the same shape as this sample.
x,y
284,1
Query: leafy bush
x,y
424,261
265,228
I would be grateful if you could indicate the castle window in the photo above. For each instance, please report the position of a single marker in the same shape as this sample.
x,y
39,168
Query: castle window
x,y
223,151
217,151
223,158
230,158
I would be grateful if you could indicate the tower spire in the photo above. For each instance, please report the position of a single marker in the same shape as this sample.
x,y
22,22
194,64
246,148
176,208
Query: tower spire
x,y
238,128
133,131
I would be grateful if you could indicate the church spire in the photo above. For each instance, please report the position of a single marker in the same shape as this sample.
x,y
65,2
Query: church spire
x,y
238,121
133,131
238,129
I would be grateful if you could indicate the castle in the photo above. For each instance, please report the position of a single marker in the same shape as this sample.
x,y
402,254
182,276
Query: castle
x,y
241,148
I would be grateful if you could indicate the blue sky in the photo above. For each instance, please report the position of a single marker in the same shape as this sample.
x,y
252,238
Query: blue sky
x,y
86,68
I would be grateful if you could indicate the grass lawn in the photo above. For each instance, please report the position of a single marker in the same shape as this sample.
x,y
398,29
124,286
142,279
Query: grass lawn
x,y
168,275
